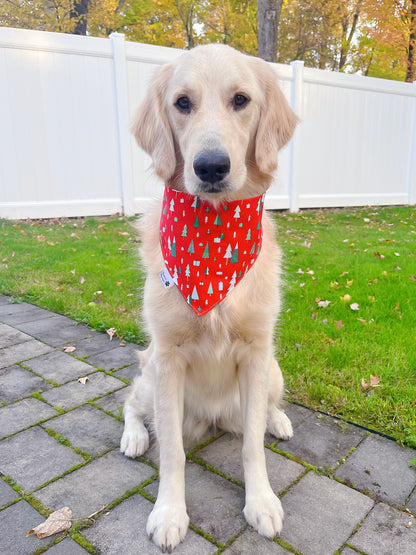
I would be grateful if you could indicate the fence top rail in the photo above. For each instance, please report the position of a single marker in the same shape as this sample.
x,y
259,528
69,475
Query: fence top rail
x,y
357,82
45,41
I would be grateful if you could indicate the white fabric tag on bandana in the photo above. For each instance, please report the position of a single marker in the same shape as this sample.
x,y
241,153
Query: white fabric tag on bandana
x,y
166,279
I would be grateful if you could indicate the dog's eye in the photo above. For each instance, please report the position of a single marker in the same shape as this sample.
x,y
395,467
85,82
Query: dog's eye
x,y
183,104
239,101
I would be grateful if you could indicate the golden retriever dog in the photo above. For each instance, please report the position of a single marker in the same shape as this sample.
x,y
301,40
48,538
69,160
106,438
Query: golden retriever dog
x,y
213,122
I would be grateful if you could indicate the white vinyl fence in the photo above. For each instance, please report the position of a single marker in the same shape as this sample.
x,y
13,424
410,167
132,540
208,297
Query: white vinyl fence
x,y
65,149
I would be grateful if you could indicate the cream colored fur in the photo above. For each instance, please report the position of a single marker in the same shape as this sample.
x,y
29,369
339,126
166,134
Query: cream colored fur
x,y
218,369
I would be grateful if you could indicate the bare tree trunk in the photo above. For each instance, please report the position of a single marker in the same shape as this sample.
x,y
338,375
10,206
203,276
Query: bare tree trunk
x,y
268,16
410,71
187,18
346,40
79,13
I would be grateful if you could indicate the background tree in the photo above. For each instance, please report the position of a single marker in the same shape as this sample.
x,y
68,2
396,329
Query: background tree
x,y
268,17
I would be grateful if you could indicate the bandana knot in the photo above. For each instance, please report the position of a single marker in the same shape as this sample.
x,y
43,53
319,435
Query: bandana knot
x,y
208,250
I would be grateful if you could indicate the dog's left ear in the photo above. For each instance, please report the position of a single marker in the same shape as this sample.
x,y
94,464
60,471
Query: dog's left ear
x,y
277,121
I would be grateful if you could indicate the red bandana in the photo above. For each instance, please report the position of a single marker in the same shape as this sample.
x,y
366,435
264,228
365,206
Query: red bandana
x,y
207,251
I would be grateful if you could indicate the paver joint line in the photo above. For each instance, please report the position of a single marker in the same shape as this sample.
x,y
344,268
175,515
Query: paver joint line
x,y
341,486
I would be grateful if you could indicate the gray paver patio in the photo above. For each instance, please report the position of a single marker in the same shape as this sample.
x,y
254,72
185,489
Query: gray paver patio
x,y
62,449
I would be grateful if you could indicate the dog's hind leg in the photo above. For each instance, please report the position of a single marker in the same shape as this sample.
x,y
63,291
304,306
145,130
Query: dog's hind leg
x,y
278,424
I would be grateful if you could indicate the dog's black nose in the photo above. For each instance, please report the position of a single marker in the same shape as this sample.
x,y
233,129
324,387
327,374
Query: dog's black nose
x,y
212,166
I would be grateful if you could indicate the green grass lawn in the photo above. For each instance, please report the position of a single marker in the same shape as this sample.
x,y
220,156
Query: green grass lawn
x,y
362,261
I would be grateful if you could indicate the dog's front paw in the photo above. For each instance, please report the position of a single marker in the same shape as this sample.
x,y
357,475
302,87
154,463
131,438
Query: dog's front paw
x,y
167,526
135,440
278,424
265,514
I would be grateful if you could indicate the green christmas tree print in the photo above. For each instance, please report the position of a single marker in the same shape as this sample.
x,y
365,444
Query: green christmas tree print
x,y
218,220
173,249
191,248
196,222
184,231
234,258
248,235
206,252
210,289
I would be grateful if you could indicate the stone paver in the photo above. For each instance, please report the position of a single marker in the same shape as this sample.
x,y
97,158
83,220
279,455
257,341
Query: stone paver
x,y
214,504
7,493
225,455
114,402
124,531
11,309
30,314
59,367
76,393
67,547
411,503
88,429
22,414
129,372
252,543
17,383
15,522
95,485
321,514
322,441
116,358
10,336
22,352
386,531
33,457
97,344
381,467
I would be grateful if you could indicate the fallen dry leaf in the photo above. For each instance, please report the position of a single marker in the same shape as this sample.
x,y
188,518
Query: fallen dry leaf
x,y
111,333
354,306
346,298
56,522
339,324
83,380
374,382
70,349
324,304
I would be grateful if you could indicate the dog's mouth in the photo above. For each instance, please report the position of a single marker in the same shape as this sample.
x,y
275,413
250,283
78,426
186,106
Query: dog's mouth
x,y
217,188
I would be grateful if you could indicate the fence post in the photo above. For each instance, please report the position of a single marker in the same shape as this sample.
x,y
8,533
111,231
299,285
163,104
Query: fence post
x,y
296,100
412,160
122,122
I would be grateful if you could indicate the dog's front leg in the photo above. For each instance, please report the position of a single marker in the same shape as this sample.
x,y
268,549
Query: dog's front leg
x,y
168,522
263,509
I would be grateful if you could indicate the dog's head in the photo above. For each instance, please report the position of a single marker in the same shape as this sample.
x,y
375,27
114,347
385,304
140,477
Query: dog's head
x,y
213,122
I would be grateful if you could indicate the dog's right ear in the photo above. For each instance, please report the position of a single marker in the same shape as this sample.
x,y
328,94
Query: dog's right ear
x,y
152,129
